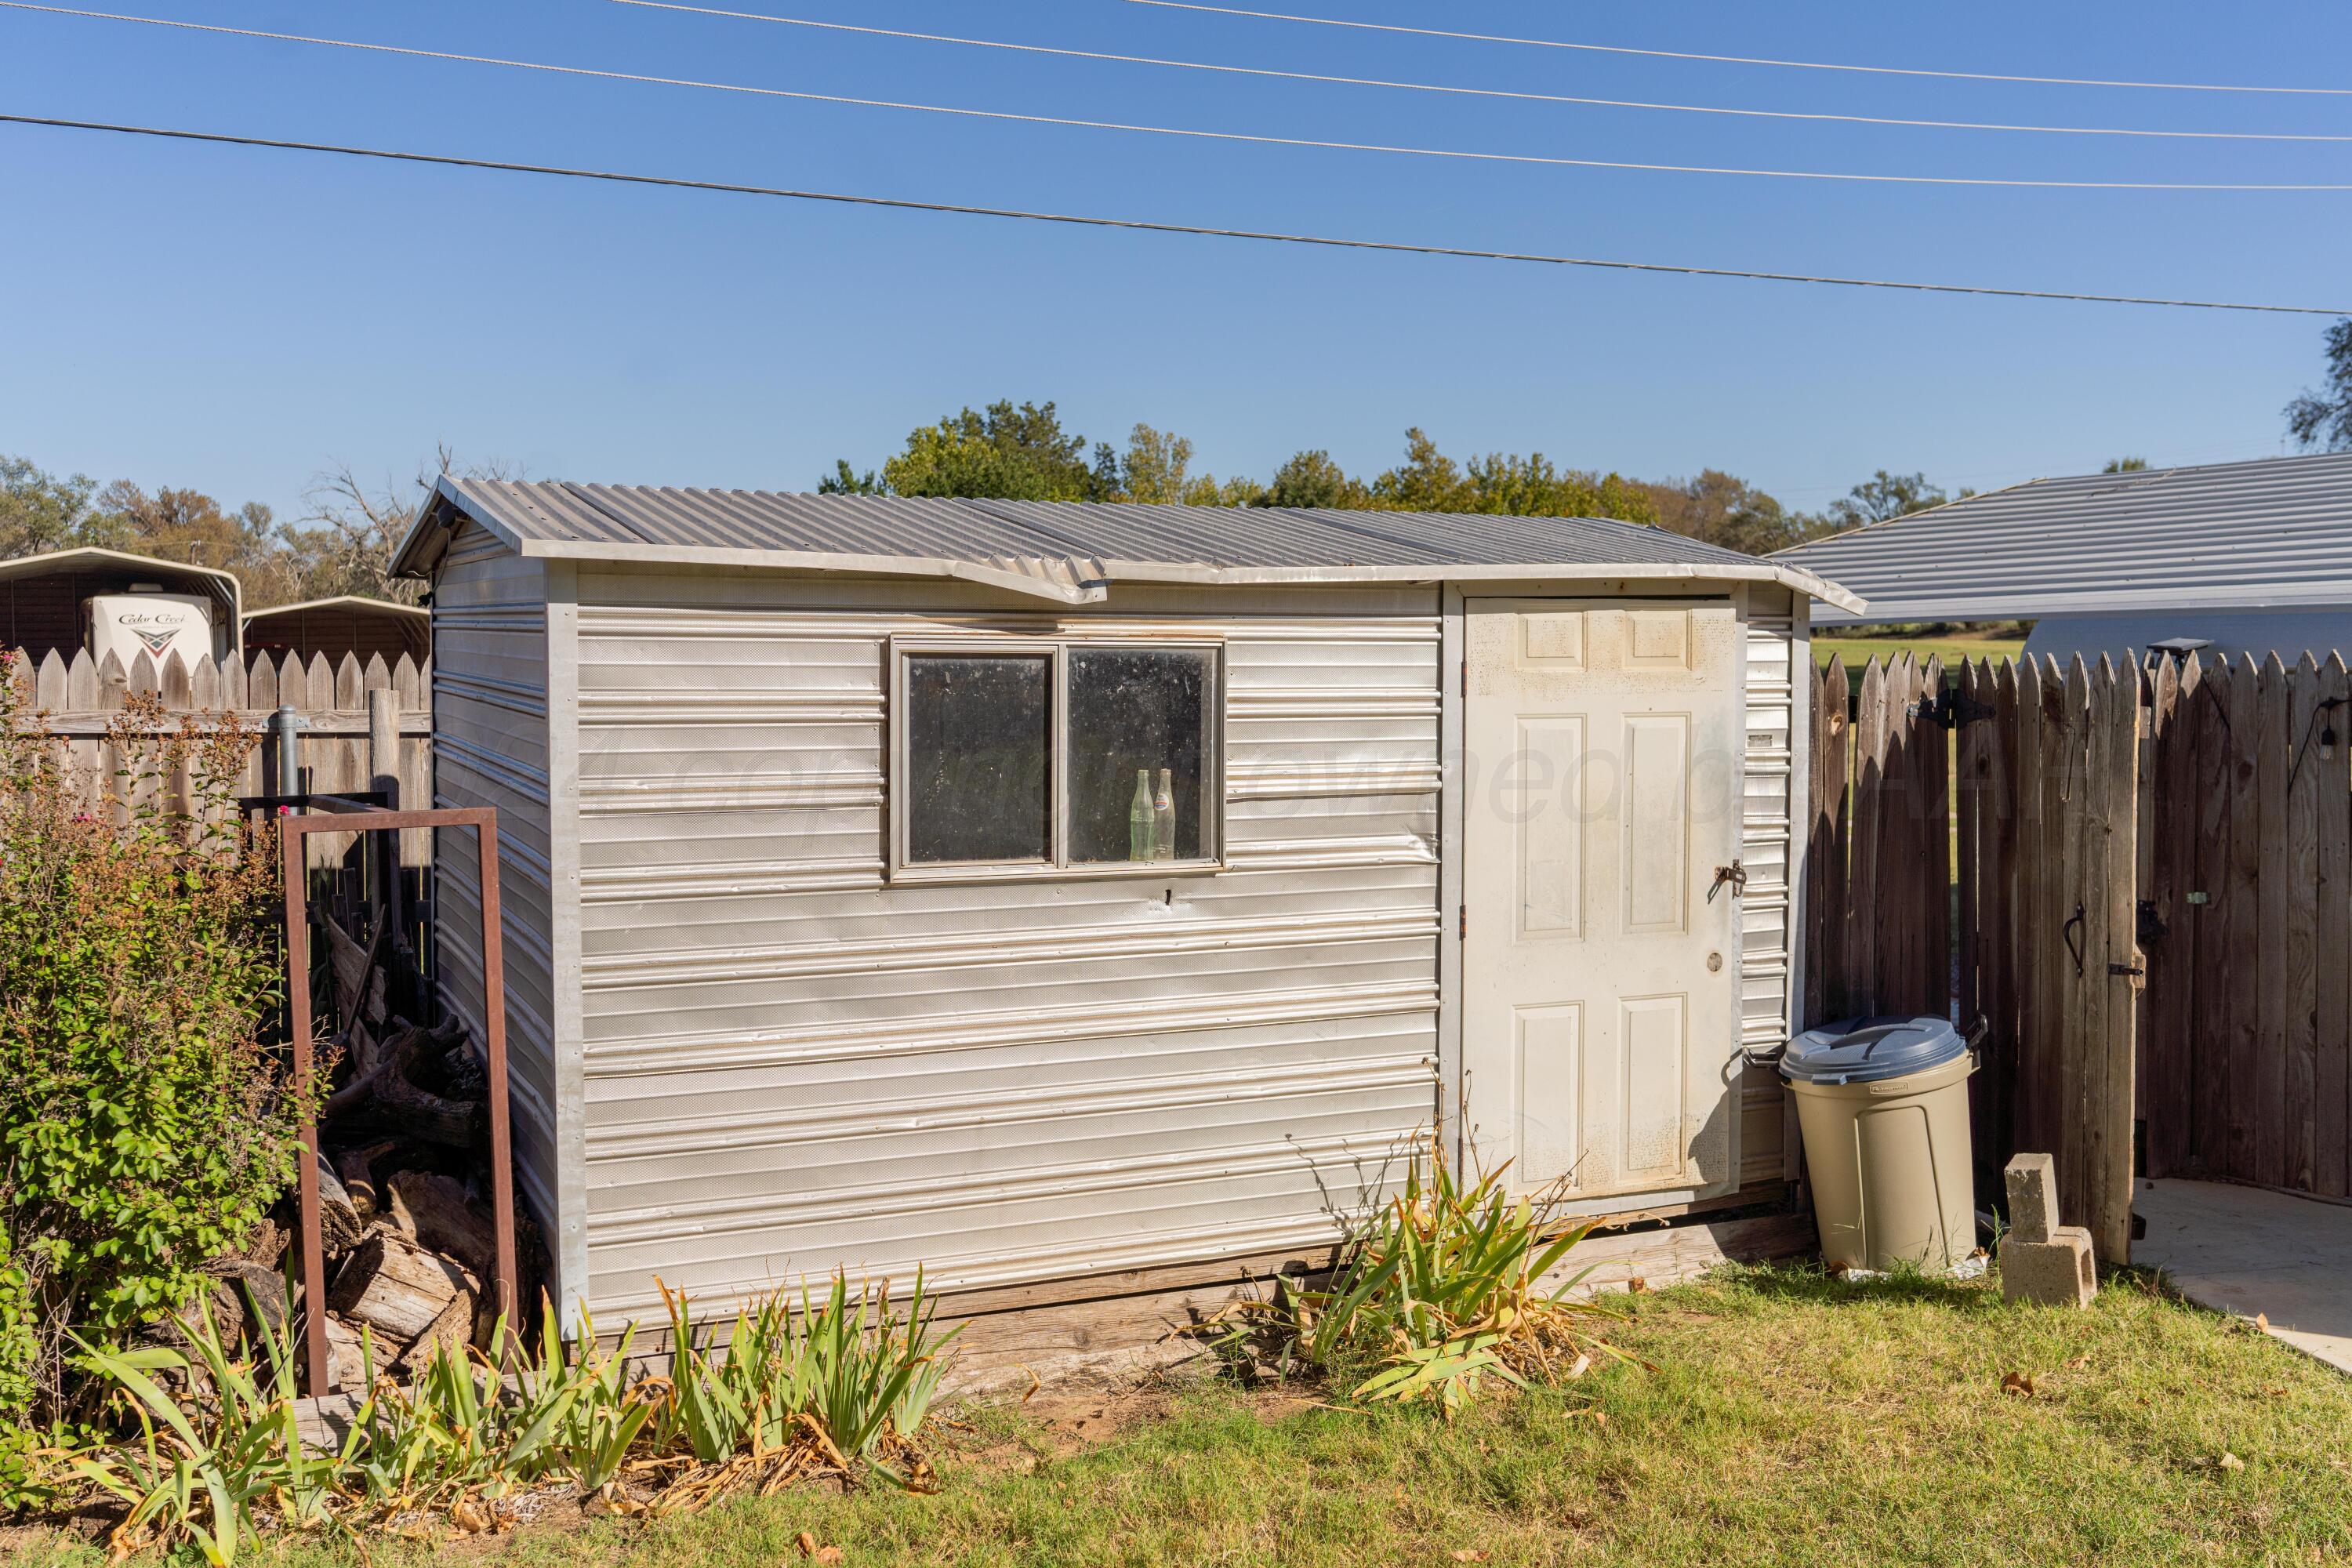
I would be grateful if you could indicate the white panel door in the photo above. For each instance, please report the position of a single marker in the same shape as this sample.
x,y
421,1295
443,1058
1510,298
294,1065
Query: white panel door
x,y
1601,956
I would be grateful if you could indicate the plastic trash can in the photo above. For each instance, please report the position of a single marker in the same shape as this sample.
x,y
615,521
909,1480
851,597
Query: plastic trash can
x,y
1884,1104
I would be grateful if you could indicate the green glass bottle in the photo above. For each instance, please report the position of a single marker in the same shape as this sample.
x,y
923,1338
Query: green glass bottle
x,y
1141,840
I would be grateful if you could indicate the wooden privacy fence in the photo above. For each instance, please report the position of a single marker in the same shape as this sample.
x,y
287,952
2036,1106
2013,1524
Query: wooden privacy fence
x,y
2138,879
362,723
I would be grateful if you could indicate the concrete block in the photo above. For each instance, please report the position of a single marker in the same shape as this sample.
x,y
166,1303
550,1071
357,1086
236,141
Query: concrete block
x,y
2032,1198
2059,1272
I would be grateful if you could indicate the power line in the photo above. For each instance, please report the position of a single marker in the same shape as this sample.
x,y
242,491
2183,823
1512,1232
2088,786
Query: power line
x,y
1228,69
1457,154
1139,225
1736,59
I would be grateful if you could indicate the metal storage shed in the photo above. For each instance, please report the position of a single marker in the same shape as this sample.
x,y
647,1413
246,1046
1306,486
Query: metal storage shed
x,y
351,623
41,596
839,931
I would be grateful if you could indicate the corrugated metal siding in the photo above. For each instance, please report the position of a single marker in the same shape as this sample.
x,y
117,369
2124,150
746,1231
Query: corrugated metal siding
x,y
490,748
1768,926
790,1066
2272,532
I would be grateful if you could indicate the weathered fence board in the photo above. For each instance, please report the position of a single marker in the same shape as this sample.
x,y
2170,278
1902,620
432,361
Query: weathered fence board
x,y
76,700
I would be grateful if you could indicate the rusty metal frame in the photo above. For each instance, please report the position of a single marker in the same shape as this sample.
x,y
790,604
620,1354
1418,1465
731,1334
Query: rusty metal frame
x,y
334,815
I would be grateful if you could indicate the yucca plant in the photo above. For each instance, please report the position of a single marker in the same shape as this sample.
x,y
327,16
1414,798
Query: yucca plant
x,y
196,1487
849,1370
870,1382
1438,1287
597,1413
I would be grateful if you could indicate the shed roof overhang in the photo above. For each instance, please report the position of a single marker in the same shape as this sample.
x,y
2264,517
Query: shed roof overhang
x,y
1072,579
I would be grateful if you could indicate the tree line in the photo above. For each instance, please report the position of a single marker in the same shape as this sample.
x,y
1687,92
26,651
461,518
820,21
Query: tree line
x,y
343,543
1023,453
345,539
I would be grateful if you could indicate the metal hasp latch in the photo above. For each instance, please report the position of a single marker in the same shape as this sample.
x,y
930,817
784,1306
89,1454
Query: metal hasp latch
x,y
1736,874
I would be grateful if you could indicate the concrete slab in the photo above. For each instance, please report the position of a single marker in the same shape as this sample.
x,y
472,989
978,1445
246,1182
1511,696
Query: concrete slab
x,y
2252,1251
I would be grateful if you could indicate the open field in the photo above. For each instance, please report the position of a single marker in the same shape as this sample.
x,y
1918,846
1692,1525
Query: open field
x,y
1949,647
1789,1419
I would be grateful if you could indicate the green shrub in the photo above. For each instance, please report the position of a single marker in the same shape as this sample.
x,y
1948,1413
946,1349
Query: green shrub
x,y
144,1126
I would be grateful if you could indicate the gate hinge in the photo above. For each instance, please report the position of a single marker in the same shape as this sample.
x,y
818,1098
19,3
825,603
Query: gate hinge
x,y
1949,708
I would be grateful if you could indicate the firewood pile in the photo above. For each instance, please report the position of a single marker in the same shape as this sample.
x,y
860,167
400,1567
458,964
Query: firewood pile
x,y
405,1216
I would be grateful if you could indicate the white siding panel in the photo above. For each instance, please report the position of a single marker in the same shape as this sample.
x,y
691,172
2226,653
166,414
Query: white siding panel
x,y
1768,926
791,1066
490,748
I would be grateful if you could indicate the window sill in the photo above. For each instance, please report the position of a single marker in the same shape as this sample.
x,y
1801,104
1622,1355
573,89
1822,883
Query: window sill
x,y
934,874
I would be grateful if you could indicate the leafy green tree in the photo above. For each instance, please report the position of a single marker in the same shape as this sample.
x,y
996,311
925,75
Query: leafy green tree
x,y
1313,480
1723,509
1156,465
1883,497
2323,418
1011,453
846,481
40,511
2126,466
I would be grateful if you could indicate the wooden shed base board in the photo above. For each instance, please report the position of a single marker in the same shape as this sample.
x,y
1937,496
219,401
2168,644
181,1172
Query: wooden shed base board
x,y
1121,1339
1127,1337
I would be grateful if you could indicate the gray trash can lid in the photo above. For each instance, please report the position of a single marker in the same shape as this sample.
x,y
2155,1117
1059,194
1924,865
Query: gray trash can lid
x,y
1865,1050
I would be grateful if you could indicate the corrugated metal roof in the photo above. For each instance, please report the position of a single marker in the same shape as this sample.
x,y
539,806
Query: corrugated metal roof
x,y
2240,535
1063,549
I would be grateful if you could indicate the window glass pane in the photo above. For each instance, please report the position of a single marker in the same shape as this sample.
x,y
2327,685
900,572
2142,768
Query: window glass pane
x,y
1140,766
978,733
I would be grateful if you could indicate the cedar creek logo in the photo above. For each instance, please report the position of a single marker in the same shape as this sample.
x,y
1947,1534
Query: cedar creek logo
x,y
145,628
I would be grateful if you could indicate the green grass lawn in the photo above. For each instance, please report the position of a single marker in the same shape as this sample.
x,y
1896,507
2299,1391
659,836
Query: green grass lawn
x,y
1789,1419
1951,647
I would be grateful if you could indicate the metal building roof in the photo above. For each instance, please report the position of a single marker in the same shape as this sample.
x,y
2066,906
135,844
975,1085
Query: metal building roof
x,y
2236,535
356,603
1067,551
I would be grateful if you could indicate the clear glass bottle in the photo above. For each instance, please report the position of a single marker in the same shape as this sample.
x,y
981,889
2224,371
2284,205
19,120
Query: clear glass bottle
x,y
1142,820
1163,819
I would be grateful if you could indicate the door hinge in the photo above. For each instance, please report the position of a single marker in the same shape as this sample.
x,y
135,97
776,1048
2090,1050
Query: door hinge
x,y
1465,922
1465,677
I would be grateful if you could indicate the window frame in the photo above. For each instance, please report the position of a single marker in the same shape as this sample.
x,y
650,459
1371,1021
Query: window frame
x,y
1057,865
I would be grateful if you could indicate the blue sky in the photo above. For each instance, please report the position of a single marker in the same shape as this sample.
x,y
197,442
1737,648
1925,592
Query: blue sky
x,y
233,320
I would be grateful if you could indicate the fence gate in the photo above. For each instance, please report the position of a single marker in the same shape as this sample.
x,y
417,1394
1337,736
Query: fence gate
x,y
2249,1042
2048,863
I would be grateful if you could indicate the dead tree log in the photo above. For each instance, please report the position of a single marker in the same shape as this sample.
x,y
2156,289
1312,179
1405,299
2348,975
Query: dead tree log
x,y
447,1220
339,1221
398,1288
385,1098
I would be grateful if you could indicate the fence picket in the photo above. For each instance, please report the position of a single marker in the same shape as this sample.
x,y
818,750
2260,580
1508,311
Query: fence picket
x,y
1936,829
1862,857
173,684
49,684
1997,899
2332,1072
2298,1154
204,692
2169,997
2118,884
2272,716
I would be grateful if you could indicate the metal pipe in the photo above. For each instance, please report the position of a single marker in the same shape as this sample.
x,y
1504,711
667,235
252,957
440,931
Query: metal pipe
x,y
285,752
